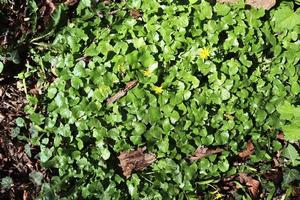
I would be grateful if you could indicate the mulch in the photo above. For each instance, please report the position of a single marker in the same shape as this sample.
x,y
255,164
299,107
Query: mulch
x,y
14,162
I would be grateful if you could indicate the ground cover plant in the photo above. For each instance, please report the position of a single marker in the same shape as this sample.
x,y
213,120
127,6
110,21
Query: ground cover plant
x,y
170,99
25,25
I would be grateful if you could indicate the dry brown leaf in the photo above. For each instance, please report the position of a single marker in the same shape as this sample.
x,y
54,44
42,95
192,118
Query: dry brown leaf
x,y
248,151
203,152
25,195
135,13
70,2
121,93
135,160
280,136
252,184
51,6
265,4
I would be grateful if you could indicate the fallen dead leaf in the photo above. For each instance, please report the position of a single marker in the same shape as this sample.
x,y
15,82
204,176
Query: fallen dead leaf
x,y
252,184
51,6
265,4
135,13
135,160
70,2
203,152
25,195
248,151
280,136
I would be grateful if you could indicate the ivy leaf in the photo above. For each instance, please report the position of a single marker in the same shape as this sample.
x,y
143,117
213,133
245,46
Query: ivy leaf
x,y
285,18
292,114
291,153
291,175
291,132
192,1
205,11
36,177
105,154
6,182
1,67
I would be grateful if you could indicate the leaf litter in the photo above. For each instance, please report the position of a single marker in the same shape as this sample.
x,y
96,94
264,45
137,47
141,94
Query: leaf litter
x,y
248,151
202,152
135,160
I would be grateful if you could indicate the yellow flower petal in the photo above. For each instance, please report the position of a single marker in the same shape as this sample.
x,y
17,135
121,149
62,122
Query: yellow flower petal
x,y
147,73
204,53
158,89
219,196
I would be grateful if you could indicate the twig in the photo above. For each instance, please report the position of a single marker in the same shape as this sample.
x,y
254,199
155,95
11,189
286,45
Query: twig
x,y
122,92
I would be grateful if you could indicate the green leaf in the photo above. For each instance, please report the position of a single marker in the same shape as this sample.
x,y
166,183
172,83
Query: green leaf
x,y
51,92
205,10
80,144
192,1
222,9
36,177
1,67
138,42
45,154
7,182
105,154
291,153
76,82
224,166
225,94
20,122
290,176
86,3
286,110
91,50
285,18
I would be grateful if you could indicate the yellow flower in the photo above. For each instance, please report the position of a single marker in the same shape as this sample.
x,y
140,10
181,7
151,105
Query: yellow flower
x,y
147,73
204,53
121,68
158,89
219,196
150,69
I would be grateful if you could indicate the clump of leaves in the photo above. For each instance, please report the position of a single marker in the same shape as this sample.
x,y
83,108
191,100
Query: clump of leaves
x,y
209,76
291,114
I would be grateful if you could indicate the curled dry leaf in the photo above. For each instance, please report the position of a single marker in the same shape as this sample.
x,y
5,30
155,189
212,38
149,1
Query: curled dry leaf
x,y
122,92
248,151
252,184
203,152
135,160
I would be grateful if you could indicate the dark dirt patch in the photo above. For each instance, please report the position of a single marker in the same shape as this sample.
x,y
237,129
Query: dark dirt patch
x,y
14,162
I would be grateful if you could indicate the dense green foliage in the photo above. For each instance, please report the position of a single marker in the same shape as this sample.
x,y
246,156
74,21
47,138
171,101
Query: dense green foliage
x,y
223,72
